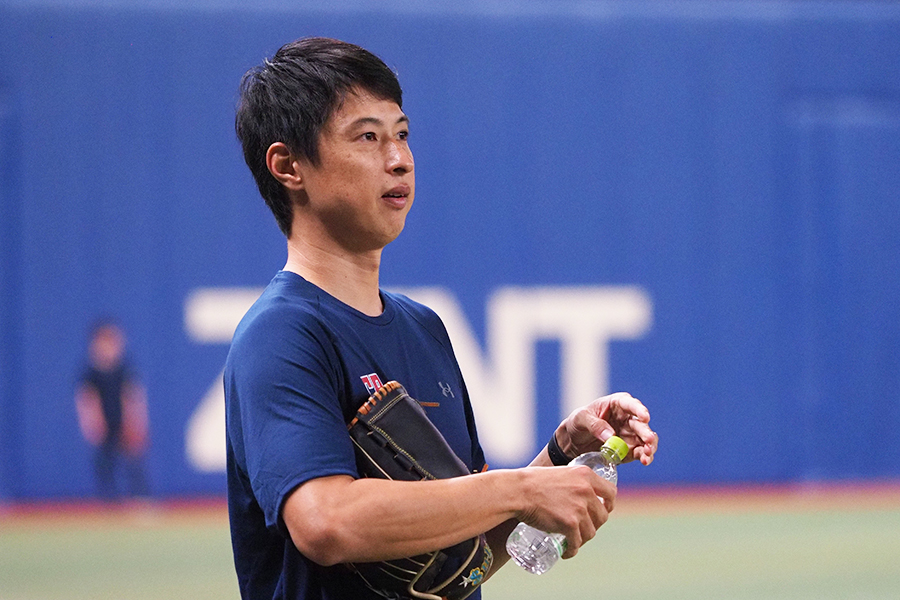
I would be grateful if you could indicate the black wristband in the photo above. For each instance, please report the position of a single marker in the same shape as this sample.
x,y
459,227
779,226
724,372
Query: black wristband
x,y
557,456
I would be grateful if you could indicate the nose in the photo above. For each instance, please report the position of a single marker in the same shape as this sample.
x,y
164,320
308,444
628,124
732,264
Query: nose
x,y
399,157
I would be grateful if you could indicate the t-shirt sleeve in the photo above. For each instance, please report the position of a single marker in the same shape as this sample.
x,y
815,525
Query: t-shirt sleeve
x,y
284,384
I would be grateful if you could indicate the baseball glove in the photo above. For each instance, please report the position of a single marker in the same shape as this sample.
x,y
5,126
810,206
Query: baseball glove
x,y
394,439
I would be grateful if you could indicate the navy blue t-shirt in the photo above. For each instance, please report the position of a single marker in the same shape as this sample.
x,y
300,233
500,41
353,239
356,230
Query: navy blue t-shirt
x,y
110,386
300,365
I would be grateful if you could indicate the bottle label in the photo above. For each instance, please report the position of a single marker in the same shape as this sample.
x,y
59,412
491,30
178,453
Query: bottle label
x,y
561,544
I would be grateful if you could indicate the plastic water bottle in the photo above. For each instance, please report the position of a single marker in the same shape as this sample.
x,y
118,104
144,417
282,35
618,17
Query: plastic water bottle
x,y
537,551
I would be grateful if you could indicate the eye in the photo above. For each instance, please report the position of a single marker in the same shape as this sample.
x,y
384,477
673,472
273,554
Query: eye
x,y
403,135
370,136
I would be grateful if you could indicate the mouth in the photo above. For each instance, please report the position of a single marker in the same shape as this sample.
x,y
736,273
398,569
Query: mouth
x,y
397,196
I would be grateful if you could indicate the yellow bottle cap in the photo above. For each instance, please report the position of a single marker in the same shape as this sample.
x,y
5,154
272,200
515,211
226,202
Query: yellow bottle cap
x,y
617,445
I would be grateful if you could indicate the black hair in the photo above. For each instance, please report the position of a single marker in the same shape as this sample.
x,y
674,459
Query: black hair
x,y
289,98
103,322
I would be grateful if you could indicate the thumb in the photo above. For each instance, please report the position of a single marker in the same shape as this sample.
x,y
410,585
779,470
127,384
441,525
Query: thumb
x,y
602,430
588,428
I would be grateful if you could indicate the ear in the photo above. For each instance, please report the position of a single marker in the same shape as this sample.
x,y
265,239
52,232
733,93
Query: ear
x,y
284,167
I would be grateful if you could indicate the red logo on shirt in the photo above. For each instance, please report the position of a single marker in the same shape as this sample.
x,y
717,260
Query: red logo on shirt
x,y
372,382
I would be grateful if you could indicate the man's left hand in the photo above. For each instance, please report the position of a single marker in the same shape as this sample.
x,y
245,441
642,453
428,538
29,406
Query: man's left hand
x,y
585,429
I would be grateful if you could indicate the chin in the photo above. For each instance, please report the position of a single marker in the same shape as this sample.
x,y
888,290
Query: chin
x,y
391,238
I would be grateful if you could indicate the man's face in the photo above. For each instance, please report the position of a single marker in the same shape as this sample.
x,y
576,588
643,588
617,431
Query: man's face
x,y
363,187
107,348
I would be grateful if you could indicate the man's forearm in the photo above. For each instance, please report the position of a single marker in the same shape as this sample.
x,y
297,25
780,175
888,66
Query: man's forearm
x,y
340,519
496,537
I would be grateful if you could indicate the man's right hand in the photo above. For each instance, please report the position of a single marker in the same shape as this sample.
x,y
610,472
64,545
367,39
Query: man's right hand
x,y
573,501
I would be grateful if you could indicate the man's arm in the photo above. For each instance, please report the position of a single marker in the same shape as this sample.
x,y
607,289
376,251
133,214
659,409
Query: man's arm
x,y
135,420
587,428
584,430
327,517
90,414
496,537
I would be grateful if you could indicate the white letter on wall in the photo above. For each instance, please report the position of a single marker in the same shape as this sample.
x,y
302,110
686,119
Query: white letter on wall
x,y
501,379
210,317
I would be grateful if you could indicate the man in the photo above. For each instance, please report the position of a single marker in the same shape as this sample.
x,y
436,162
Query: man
x,y
112,412
325,136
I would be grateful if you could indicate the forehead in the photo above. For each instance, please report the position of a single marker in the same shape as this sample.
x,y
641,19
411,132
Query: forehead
x,y
108,333
361,106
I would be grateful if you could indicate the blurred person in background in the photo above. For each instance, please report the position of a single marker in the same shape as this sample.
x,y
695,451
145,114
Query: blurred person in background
x,y
112,412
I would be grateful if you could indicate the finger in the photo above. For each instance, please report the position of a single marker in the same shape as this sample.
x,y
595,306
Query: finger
x,y
586,529
601,430
642,431
591,422
643,455
645,452
648,451
590,526
573,543
606,494
584,433
604,491
618,409
629,407
598,514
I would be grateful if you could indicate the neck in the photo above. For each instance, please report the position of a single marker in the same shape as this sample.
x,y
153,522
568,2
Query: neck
x,y
350,277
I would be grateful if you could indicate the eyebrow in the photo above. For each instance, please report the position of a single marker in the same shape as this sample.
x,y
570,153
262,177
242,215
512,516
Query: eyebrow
x,y
376,121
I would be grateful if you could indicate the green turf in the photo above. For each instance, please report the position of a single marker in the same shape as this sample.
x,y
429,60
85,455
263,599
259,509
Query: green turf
x,y
844,555
124,561
828,555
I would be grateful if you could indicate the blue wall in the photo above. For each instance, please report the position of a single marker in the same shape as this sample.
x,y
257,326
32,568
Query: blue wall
x,y
738,162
